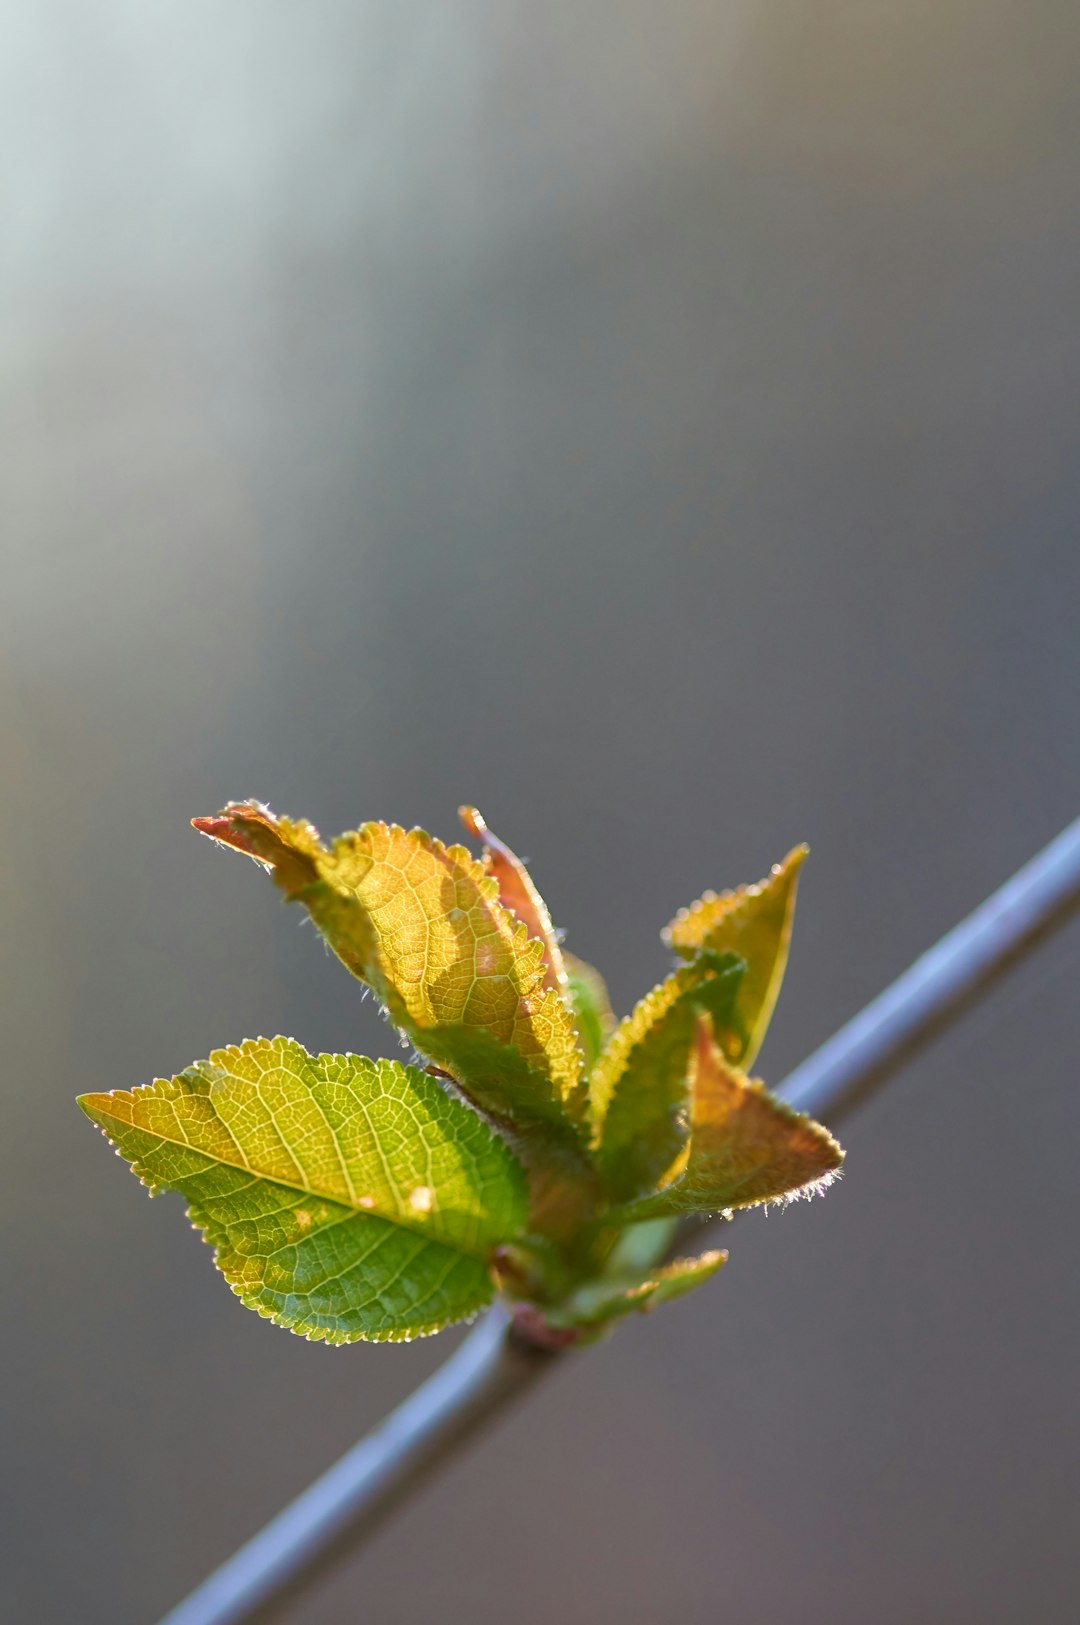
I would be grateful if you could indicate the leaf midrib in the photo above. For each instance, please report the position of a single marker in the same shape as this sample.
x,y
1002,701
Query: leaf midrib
x,y
415,1228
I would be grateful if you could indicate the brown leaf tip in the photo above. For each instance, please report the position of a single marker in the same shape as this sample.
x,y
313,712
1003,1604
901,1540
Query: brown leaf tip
x,y
227,826
225,832
474,821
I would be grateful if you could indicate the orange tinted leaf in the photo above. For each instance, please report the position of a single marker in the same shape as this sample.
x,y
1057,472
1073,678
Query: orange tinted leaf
x,y
518,894
745,1145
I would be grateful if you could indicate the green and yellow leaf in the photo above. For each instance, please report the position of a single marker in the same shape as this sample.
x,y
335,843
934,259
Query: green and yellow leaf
x,y
587,996
755,923
421,923
745,1146
639,1087
345,1198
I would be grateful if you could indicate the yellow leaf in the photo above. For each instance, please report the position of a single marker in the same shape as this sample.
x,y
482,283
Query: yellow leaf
x,y
755,923
421,923
639,1086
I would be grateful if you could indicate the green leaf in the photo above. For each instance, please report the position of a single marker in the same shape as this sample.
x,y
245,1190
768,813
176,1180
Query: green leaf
x,y
755,923
587,995
640,1084
597,1303
640,1248
345,1198
421,923
745,1145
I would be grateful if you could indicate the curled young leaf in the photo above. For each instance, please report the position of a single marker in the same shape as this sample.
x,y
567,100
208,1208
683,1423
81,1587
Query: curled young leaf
x,y
745,1146
598,1303
587,996
755,923
518,894
639,1086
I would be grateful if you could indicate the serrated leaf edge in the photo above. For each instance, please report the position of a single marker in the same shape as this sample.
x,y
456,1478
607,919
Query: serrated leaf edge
x,y
527,951
311,1331
652,1205
613,1062
732,901
415,1227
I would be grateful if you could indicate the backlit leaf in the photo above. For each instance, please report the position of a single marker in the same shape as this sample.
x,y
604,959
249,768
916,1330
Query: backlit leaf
x,y
422,924
745,1145
755,923
639,1086
345,1198
518,894
582,987
587,996
599,1302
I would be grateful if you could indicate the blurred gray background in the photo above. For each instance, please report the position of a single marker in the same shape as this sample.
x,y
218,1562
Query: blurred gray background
x,y
657,424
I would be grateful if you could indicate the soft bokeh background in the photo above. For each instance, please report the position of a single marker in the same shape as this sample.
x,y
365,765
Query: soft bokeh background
x,y
657,424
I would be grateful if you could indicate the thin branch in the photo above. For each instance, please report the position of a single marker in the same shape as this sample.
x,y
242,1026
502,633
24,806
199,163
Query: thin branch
x,y
492,1367
482,1375
949,978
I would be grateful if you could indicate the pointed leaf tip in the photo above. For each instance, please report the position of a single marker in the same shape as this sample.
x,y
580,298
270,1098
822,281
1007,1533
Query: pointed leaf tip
x,y
474,822
746,1145
291,850
518,894
754,922
580,987
222,829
